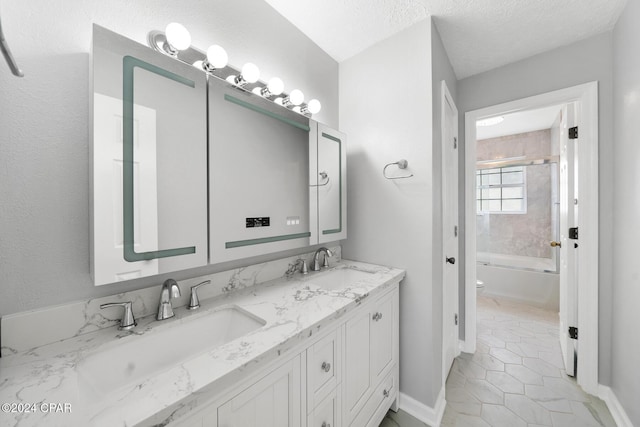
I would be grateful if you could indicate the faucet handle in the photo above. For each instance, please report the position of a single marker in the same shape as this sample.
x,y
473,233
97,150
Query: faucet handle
x,y
194,302
128,321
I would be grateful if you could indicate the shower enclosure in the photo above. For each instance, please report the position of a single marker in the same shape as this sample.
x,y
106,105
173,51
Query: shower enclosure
x,y
517,207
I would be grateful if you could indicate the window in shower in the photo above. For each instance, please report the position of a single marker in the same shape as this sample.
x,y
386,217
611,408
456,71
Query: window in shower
x,y
501,190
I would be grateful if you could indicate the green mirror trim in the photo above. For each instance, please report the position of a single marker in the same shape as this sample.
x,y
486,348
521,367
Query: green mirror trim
x,y
333,138
240,243
129,63
266,112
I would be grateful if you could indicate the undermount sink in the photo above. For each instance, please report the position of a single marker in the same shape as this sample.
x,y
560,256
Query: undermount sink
x,y
139,357
339,278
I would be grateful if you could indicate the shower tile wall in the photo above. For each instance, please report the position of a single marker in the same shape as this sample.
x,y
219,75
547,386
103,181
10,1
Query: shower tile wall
x,y
520,234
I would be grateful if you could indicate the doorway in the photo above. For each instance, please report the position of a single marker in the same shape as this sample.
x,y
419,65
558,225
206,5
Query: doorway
x,y
585,297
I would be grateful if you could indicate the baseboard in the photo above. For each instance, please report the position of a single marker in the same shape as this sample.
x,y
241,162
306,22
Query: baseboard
x,y
422,412
615,407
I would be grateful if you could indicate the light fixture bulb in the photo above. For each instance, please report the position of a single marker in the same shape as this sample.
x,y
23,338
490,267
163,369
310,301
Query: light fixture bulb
x,y
231,79
178,36
278,100
296,97
314,106
257,91
198,64
217,56
250,72
491,121
275,86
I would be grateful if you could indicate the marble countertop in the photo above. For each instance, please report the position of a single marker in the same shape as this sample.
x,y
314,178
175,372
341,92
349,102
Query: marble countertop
x,y
42,386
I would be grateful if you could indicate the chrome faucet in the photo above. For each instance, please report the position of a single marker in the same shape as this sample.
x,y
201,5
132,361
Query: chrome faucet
x,y
169,289
316,261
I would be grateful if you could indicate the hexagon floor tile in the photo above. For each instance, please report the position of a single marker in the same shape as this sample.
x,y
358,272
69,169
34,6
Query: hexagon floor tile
x,y
515,378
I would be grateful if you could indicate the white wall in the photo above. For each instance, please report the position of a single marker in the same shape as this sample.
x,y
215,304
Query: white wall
x,y
386,110
625,341
44,181
578,63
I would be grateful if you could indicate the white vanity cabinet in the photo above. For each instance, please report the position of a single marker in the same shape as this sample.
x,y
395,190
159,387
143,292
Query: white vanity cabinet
x,y
371,359
346,376
274,401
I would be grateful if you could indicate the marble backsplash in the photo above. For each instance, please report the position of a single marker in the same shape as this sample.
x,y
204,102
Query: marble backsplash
x,y
22,331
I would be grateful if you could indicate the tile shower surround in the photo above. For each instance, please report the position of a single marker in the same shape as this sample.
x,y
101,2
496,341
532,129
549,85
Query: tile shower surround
x,y
520,234
70,320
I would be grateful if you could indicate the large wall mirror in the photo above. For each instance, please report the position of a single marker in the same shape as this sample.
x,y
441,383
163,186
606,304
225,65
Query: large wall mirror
x,y
148,162
189,169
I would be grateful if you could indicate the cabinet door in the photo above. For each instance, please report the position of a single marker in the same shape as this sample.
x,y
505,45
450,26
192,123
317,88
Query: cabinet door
x,y
148,162
383,336
274,401
332,185
357,364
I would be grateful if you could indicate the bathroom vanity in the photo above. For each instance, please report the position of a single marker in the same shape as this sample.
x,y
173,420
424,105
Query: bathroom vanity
x,y
308,350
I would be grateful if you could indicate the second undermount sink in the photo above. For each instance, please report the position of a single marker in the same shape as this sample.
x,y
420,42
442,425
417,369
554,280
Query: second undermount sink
x,y
340,278
139,357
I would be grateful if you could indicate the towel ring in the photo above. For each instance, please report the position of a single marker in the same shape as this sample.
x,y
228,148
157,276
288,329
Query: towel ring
x,y
323,175
402,164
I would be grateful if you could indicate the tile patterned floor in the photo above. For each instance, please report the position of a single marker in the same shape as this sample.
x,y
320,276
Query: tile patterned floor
x,y
516,377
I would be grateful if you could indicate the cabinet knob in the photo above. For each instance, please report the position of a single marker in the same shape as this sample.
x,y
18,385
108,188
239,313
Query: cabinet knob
x,y
326,366
377,316
325,424
385,393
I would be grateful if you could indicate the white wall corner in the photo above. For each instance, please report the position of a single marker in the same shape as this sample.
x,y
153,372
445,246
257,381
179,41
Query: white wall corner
x,y
424,413
615,407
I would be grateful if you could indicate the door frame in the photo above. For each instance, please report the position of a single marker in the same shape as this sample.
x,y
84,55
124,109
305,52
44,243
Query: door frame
x,y
586,97
446,316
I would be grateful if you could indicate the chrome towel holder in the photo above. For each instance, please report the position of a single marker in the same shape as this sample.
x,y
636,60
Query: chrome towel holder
x,y
402,164
8,56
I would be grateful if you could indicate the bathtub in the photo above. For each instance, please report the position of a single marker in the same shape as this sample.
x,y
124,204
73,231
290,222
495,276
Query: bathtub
x,y
526,279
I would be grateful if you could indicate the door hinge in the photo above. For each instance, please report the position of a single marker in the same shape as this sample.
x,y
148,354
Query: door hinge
x,y
573,233
455,318
455,231
573,332
455,142
573,132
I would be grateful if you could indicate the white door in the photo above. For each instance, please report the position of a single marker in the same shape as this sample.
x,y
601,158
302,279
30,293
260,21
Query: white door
x,y
108,204
568,249
449,229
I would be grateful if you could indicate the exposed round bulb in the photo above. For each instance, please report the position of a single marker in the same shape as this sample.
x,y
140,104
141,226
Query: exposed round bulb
x,y
275,86
314,106
278,100
296,109
250,72
257,91
198,64
231,79
217,56
296,97
178,36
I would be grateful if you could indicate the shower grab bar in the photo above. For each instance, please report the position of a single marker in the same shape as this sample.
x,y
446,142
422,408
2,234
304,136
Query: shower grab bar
x,y
490,164
8,56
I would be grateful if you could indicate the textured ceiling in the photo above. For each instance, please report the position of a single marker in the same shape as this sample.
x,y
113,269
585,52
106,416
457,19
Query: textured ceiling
x,y
478,35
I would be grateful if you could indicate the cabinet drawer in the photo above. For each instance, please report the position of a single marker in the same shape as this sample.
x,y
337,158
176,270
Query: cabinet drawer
x,y
378,403
328,413
323,368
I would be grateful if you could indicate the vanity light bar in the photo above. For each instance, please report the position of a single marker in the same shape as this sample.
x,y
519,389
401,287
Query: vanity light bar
x,y
176,42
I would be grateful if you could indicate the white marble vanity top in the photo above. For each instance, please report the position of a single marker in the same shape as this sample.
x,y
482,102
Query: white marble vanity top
x,y
43,387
